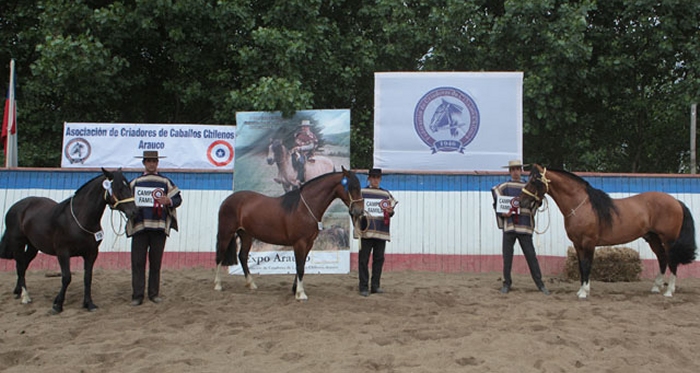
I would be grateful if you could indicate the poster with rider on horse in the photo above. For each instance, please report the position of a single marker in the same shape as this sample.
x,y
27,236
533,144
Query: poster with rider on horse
x,y
277,155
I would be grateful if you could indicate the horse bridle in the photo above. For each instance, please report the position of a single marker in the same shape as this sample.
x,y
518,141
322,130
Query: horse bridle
x,y
117,202
362,200
543,179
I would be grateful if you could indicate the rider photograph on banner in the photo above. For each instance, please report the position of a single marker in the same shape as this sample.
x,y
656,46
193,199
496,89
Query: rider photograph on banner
x,y
277,155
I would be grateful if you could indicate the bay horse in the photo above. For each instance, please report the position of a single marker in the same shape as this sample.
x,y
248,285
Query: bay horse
x,y
292,219
66,229
592,218
279,155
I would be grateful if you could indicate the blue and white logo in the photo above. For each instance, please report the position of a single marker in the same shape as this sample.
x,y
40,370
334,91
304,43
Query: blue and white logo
x,y
446,119
77,150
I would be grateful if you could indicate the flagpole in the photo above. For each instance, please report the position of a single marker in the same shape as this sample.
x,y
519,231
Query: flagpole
x,y
11,145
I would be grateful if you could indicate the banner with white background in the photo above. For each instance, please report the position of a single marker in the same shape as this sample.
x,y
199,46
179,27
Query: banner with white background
x,y
184,146
447,121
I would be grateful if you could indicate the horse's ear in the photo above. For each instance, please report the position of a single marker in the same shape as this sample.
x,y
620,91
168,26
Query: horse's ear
x,y
107,173
344,170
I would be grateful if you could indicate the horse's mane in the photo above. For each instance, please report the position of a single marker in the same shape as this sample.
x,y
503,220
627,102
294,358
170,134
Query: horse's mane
x,y
290,200
66,201
600,201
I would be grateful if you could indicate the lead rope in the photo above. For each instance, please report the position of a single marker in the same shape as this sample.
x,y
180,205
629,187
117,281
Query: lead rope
x,y
117,234
543,208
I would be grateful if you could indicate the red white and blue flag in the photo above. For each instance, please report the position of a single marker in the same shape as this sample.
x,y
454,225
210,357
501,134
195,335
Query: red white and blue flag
x,y
9,122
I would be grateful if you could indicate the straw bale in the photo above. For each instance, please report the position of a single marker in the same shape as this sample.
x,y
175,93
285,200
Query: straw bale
x,y
610,264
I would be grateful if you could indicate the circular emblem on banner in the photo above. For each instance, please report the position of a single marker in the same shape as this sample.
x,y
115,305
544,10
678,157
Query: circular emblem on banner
x,y
157,193
446,119
220,153
77,150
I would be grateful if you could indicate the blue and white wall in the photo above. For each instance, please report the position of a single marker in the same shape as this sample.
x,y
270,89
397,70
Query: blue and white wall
x,y
443,222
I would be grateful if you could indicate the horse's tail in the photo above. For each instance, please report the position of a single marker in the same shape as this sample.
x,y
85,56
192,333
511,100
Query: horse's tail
x,y
5,252
683,250
226,250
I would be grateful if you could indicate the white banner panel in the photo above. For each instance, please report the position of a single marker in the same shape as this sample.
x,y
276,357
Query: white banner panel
x,y
187,146
282,262
447,121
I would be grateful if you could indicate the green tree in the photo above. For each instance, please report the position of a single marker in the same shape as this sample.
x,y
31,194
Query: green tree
x,y
607,84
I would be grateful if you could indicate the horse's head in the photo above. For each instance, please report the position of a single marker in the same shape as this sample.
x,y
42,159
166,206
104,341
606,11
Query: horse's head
x,y
118,193
446,116
352,195
537,186
275,151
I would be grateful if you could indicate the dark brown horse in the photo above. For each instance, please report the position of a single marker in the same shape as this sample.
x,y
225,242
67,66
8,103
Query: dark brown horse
x,y
66,229
291,220
592,218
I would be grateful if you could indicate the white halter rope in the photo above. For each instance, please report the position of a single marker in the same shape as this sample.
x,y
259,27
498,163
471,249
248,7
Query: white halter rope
x,y
319,222
545,203
544,181
116,203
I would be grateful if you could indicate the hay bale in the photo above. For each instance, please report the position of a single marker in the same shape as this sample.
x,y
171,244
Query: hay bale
x,y
610,264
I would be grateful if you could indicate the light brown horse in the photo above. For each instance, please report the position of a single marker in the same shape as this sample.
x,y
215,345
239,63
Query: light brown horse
x,y
292,219
278,154
592,218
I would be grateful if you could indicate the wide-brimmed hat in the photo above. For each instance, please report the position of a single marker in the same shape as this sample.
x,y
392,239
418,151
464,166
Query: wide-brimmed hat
x,y
150,154
375,172
515,163
305,123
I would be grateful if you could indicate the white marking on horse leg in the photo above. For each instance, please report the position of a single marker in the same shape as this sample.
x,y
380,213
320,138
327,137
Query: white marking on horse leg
x,y
658,283
585,290
249,283
25,296
217,279
671,286
300,295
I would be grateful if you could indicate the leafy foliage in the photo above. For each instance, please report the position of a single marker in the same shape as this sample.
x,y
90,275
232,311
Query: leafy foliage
x,y
607,83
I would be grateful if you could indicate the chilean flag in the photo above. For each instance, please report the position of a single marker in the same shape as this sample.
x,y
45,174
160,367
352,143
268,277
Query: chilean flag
x,y
9,119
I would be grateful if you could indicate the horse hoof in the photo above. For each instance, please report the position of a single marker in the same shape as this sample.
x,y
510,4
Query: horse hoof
x,y
218,287
55,311
668,295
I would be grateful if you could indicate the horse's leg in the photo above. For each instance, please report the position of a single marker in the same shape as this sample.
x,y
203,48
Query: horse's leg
x,y
22,260
246,244
300,254
655,243
585,262
672,278
671,284
225,250
217,278
64,262
89,263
